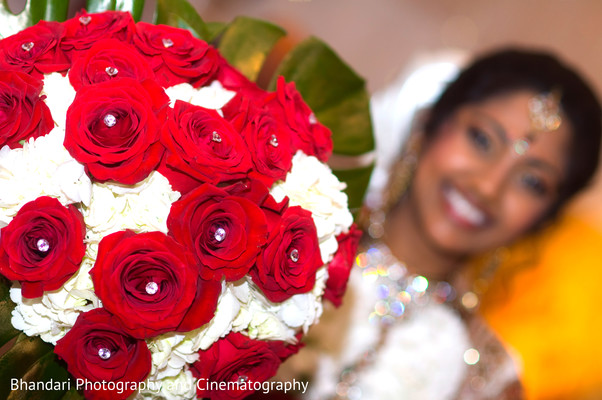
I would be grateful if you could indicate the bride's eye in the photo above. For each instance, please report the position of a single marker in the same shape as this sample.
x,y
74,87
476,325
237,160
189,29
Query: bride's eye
x,y
479,139
534,184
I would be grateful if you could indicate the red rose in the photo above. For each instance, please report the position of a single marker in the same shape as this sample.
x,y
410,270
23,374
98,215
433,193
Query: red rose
x,y
113,129
235,358
269,142
42,246
258,193
34,50
232,79
309,135
201,147
175,55
108,59
152,284
340,266
23,114
224,232
97,350
82,31
291,258
285,349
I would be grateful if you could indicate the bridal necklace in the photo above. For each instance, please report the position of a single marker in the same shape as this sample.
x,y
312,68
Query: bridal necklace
x,y
399,294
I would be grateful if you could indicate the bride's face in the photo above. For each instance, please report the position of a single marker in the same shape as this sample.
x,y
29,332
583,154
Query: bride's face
x,y
472,191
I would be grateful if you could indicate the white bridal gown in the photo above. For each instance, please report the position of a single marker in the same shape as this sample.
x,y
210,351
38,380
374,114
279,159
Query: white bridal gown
x,y
432,353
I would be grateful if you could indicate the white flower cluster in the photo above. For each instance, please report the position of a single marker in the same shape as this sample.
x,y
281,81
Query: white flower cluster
x,y
43,167
312,185
142,207
52,315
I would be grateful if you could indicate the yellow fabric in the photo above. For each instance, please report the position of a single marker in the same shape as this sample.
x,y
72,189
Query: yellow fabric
x,y
551,314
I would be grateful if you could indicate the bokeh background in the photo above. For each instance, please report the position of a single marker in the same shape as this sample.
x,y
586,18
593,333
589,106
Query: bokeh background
x,y
547,308
380,38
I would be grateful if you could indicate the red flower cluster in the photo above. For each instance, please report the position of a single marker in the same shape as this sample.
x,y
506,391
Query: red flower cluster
x,y
225,226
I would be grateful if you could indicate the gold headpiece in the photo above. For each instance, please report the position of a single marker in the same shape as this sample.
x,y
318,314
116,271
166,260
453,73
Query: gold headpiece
x,y
544,112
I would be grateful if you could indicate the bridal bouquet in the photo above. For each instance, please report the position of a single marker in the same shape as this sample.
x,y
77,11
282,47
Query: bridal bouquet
x,y
165,222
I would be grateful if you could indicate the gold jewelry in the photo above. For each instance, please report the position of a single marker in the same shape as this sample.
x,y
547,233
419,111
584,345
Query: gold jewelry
x,y
400,177
544,112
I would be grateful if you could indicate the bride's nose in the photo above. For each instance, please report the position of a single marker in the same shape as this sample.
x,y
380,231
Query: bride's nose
x,y
490,181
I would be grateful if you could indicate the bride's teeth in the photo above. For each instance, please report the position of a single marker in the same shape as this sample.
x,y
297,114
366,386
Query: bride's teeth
x,y
464,208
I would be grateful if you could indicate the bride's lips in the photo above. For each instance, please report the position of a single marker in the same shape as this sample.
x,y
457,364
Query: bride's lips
x,y
464,211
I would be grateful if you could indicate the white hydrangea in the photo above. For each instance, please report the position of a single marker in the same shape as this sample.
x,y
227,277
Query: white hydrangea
x,y
43,167
179,387
312,185
258,320
303,310
228,307
142,207
213,96
54,313
59,96
262,319
170,353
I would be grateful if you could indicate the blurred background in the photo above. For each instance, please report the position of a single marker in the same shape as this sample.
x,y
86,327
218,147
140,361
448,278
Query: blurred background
x,y
381,38
547,307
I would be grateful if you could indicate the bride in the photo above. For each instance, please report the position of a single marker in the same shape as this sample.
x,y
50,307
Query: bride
x,y
498,155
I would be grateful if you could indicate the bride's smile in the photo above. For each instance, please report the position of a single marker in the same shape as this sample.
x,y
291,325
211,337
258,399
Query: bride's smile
x,y
473,190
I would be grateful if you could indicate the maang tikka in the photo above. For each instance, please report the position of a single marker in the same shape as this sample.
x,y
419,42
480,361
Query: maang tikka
x,y
544,113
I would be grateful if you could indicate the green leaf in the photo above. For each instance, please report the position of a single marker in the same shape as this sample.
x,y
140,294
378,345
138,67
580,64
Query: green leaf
x,y
181,14
72,395
48,372
19,359
215,29
338,97
7,332
135,7
28,358
357,182
34,11
247,42
334,92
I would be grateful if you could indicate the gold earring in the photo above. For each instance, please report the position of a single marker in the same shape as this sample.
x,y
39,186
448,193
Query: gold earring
x,y
399,180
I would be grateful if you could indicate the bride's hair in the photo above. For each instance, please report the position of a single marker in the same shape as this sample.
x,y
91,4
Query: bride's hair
x,y
511,70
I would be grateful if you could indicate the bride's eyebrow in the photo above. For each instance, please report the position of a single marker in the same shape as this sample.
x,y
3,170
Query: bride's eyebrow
x,y
495,125
503,136
543,165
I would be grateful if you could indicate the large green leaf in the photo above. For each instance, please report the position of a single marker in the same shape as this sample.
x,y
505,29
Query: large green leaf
x,y
181,14
31,360
335,93
27,359
135,7
56,380
72,395
338,97
247,42
34,11
357,181
7,332
215,29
